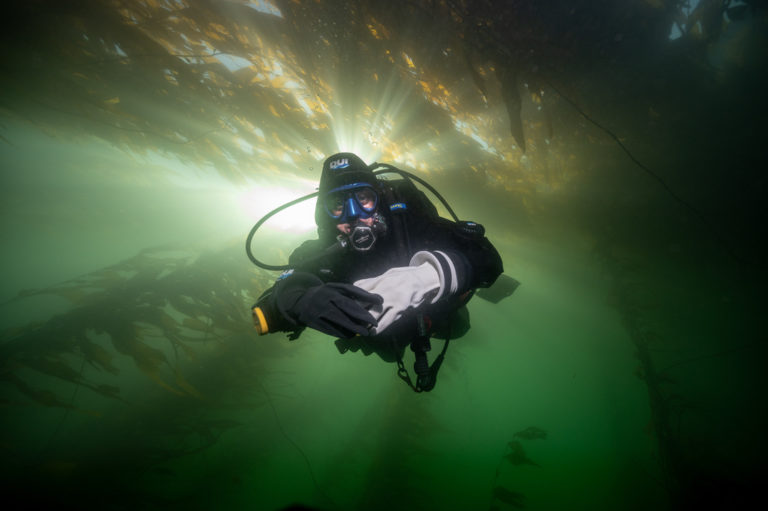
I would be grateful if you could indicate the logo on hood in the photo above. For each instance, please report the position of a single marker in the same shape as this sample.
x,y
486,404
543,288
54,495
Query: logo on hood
x,y
339,164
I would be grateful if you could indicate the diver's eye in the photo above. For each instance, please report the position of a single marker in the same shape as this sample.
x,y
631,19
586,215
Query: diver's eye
x,y
335,204
366,197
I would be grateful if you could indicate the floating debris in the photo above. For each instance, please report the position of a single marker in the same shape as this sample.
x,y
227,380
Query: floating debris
x,y
512,498
517,454
531,433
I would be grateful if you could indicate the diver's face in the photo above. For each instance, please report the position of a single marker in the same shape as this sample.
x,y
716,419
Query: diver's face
x,y
351,205
346,228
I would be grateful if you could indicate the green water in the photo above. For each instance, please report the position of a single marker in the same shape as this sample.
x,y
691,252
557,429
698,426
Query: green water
x,y
271,422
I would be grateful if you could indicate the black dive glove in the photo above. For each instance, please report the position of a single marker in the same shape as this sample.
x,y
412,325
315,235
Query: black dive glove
x,y
336,309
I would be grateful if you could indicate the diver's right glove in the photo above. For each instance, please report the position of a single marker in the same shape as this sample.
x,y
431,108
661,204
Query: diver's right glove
x,y
336,309
430,277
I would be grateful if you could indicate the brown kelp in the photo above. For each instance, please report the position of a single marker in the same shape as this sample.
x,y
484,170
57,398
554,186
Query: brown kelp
x,y
128,73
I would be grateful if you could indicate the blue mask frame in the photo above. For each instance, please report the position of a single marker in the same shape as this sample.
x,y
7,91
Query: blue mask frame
x,y
352,208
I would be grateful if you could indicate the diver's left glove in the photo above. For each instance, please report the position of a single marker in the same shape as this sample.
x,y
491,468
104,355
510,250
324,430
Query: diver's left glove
x,y
336,309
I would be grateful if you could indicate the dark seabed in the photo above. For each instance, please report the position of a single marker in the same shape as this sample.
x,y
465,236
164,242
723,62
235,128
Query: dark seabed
x,y
614,152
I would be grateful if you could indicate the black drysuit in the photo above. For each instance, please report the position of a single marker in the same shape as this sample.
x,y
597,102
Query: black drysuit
x,y
467,258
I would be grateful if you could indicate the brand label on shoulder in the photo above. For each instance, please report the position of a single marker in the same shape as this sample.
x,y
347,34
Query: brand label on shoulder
x,y
398,206
285,274
339,164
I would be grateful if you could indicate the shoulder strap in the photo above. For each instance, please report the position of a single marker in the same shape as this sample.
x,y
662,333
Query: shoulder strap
x,y
409,199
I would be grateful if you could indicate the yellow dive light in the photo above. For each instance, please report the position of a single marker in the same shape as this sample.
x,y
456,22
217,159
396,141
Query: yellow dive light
x,y
259,321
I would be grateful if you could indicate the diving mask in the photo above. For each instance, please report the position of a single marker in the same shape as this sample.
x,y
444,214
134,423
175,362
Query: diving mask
x,y
352,201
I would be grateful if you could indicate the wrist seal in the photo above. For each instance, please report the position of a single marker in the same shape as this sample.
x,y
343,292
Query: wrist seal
x,y
470,230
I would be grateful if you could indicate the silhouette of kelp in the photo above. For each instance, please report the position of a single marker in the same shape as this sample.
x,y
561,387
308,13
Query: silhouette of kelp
x,y
180,318
666,406
667,366
531,433
516,456
151,306
511,498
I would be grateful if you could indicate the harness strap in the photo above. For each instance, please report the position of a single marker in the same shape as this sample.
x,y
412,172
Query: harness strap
x,y
426,375
400,225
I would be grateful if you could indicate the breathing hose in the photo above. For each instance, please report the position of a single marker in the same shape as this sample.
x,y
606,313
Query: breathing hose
x,y
381,168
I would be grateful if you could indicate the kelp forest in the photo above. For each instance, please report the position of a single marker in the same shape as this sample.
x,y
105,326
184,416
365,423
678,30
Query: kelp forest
x,y
612,150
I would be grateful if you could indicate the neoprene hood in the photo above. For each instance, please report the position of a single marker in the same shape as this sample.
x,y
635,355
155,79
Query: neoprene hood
x,y
338,170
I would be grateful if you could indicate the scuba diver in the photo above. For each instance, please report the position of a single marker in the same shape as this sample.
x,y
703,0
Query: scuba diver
x,y
386,271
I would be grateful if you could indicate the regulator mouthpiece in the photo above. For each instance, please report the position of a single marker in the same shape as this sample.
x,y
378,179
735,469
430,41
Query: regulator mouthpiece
x,y
362,238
